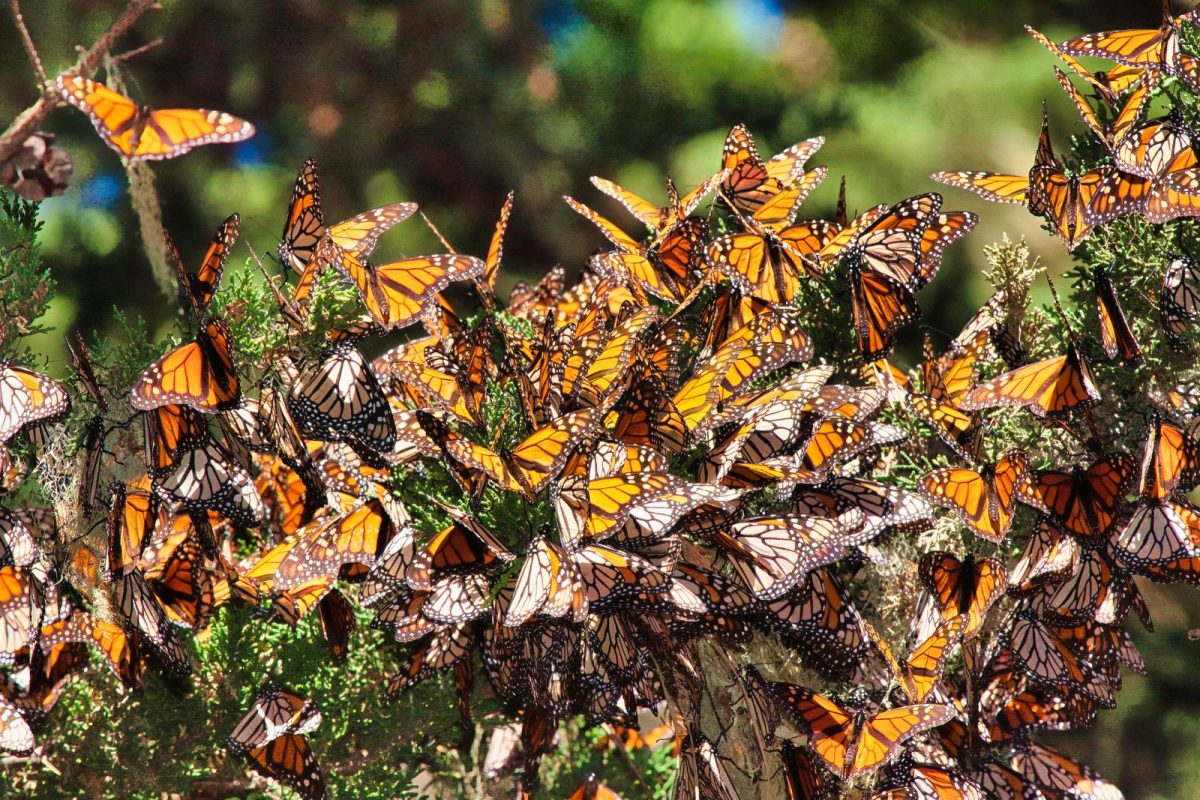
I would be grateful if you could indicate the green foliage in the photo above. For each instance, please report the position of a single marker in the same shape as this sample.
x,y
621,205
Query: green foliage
x,y
26,287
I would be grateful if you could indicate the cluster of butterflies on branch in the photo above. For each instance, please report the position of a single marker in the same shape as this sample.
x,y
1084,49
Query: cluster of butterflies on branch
x,y
1148,166
690,475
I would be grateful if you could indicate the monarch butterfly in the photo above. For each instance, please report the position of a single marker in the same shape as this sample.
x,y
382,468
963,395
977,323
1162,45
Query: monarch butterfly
x,y
139,133
441,651
772,554
611,576
1040,654
1170,458
524,469
896,255
707,603
27,398
1154,150
143,613
606,371
465,546
189,466
767,342
802,778
923,667
1050,388
201,285
649,416
946,382
700,774
1116,135
817,618
888,509
549,583
305,224
199,374
398,293
132,518
533,302
341,400
629,262
594,789
849,741
833,442
1115,333
963,587
1179,298
1084,502
17,545
749,183
984,500
310,561
1074,204
1050,556
659,219
93,446
1159,531
1110,85
1153,49
185,588
271,737
15,734
1056,773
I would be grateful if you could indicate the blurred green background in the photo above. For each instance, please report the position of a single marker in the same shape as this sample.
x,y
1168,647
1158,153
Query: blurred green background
x,y
453,103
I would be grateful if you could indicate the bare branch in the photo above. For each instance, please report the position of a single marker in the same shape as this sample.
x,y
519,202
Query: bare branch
x,y
27,40
129,55
31,118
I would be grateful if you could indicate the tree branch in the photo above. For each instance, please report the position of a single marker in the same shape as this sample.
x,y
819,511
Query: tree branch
x,y
27,40
28,120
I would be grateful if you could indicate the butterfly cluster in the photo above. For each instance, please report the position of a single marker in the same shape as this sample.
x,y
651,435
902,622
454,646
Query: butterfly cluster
x,y
1148,166
601,498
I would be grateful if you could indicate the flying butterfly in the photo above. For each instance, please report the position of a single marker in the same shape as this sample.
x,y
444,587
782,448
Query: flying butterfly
x,y
1109,84
138,132
659,219
923,667
1074,204
1115,135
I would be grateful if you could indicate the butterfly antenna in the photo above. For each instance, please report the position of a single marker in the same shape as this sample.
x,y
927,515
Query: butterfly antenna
x,y
429,224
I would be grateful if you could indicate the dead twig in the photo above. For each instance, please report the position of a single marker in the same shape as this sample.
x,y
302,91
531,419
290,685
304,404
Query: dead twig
x,y
129,55
27,40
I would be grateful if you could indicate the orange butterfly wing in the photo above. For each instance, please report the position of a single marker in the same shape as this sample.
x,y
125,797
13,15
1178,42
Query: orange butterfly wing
x,y
138,133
